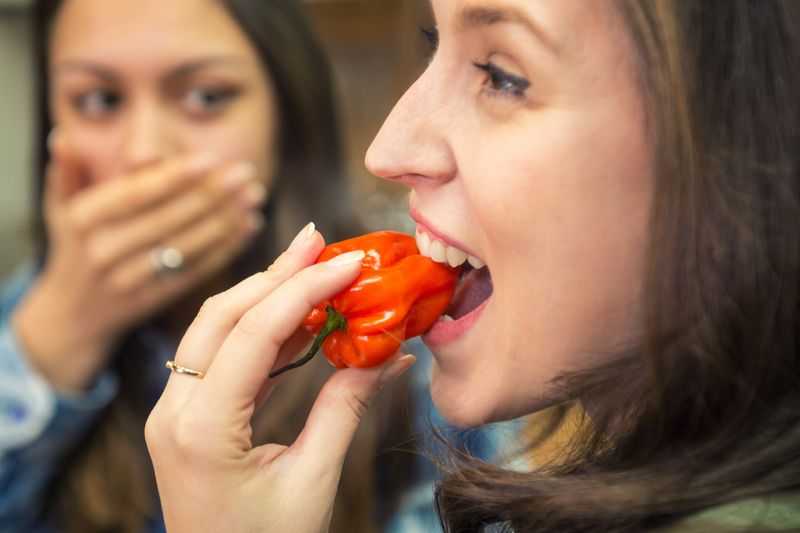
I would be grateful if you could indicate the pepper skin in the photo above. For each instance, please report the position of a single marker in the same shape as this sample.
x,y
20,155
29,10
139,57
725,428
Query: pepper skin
x,y
398,295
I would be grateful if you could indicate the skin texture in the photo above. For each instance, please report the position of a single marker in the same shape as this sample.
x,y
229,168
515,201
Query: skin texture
x,y
162,119
239,336
550,186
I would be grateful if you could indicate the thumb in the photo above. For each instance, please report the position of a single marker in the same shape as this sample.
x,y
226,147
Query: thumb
x,y
340,407
64,175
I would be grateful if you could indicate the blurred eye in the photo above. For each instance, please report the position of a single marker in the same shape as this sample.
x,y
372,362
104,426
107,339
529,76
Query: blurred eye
x,y
96,103
206,100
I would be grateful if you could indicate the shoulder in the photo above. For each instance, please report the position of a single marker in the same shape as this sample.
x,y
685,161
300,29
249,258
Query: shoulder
x,y
775,512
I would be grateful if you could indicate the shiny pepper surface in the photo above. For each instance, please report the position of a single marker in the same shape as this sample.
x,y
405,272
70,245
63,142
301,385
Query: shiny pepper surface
x,y
398,295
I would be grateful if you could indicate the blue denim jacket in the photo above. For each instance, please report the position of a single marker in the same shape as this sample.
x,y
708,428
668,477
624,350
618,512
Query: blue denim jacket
x,y
38,426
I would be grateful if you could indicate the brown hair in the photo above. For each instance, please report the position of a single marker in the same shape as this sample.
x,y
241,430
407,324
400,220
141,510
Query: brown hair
x,y
107,484
707,409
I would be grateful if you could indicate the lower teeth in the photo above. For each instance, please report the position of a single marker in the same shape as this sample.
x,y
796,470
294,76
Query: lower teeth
x,y
446,318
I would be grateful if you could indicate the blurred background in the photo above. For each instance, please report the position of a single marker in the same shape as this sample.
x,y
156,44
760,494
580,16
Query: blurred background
x,y
375,47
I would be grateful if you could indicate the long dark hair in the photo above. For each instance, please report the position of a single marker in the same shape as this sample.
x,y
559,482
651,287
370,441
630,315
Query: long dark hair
x,y
707,410
107,483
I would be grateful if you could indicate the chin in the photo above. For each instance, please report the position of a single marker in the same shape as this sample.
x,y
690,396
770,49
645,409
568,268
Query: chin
x,y
457,401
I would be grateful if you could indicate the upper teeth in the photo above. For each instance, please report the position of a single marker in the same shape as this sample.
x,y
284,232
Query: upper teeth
x,y
443,253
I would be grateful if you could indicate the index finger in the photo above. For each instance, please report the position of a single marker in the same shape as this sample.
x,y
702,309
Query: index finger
x,y
120,198
241,367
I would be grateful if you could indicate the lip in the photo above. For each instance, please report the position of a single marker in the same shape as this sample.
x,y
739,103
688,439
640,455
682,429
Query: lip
x,y
446,332
431,230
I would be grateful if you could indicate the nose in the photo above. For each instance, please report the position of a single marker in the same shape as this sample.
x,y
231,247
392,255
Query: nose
x,y
413,145
146,136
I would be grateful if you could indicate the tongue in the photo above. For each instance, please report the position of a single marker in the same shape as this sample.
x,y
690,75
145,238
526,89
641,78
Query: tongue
x,y
473,290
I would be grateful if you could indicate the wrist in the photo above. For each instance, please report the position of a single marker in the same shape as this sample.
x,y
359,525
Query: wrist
x,y
57,346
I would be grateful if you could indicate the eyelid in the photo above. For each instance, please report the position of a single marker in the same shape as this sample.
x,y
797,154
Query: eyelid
x,y
223,96
519,84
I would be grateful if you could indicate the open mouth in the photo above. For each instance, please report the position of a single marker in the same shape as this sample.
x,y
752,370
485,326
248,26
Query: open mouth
x,y
474,287
474,284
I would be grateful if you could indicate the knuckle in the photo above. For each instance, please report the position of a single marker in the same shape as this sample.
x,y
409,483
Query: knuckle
x,y
156,430
278,265
186,434
356,404
265,278
212,306
251,325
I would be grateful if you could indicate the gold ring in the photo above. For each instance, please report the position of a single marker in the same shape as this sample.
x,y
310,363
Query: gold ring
x,y
178,369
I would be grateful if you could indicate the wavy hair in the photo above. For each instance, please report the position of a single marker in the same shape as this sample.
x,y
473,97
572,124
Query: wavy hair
x,y
707,410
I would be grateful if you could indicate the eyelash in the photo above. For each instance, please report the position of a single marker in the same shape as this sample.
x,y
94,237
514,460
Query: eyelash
x,y
432,36
220,97
199,101
502,83
109,100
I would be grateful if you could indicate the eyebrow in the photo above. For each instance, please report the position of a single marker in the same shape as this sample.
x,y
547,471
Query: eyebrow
x,y
477,17
181,71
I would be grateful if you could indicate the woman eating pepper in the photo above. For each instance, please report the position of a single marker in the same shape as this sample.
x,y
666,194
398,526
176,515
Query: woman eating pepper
x,y
626,178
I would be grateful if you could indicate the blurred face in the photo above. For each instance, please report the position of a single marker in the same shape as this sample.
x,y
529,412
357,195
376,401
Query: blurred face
x,y
135,82
524,146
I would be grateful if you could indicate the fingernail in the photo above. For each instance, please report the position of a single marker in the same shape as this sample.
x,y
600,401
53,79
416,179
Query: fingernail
x,y
254,194
238,174
198,164
346,259
396,369
302,237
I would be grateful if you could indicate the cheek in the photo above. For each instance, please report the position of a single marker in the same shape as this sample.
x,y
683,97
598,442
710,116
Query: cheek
x,y
98,152
565,216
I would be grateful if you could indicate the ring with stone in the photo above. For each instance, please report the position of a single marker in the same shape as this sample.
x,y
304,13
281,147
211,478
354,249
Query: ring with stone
x,y
166,260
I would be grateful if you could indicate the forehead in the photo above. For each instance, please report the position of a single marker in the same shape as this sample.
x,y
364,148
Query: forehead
x,y
145,30
561,24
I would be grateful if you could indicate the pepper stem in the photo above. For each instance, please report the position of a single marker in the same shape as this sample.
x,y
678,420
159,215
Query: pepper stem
x,y
334,321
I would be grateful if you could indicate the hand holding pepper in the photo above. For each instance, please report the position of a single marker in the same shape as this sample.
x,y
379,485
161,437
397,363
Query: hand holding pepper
x,y
398,295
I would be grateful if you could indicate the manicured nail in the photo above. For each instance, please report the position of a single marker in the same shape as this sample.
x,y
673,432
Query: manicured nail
x,y
254,194
302,237
396,369
238,174
198,164
346,259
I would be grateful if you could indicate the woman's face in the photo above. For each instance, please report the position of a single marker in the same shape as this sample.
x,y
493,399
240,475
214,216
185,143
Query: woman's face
x,y
524,145
135,82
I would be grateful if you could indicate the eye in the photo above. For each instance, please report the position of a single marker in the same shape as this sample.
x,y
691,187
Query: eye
x,y
432,36
206,100
96,103
500,82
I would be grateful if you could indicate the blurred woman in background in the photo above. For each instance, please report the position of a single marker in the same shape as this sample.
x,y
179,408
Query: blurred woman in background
x,y
188,140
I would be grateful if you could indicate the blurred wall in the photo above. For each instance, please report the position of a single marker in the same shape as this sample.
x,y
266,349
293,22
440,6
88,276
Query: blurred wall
x,y
377,50
15,134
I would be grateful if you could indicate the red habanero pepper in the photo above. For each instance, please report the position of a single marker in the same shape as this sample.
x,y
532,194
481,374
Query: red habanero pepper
x,y
398,295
